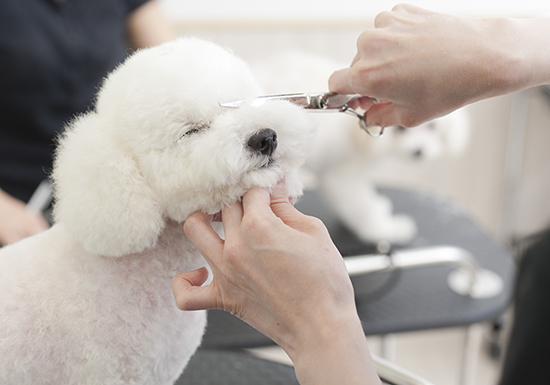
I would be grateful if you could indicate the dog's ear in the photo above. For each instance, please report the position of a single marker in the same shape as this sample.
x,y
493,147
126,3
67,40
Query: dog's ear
x,y
101,198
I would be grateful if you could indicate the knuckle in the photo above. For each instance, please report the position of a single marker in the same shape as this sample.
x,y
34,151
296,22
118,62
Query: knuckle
x,y
382,18
254,221
190,225
232,253
365,75
182,302
315,224
400,7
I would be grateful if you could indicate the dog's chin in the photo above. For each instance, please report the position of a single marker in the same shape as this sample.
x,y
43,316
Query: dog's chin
x,y
267,164
261,163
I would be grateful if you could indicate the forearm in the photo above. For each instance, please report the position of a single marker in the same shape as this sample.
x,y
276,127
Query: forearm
x,y
16,222
336,354
533,45
512,56
147,26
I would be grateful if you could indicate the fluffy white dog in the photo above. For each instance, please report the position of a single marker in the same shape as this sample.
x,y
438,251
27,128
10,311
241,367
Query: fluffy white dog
x,y
344,156
89,301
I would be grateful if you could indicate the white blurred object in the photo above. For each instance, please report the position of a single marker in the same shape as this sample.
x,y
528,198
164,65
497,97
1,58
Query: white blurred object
x,y
41,198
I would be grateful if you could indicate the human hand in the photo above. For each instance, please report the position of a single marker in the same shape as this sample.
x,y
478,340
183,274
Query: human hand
x,y
16,221
279,271
272,258
425,64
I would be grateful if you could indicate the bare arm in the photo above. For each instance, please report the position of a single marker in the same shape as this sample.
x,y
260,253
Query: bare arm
x,y
16,222
147,26
279,271
428,64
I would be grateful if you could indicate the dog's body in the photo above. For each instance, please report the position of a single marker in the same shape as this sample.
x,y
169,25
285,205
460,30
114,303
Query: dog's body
x,y
89,301
72,317
343,157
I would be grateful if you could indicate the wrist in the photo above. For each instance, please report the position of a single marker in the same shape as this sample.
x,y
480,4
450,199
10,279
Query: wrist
x,y
334,352
532,40
521,57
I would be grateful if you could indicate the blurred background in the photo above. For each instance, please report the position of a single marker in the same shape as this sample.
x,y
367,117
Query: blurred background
x,y
501,179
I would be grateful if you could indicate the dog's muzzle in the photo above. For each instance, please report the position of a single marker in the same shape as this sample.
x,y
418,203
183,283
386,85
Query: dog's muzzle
x,y
263,142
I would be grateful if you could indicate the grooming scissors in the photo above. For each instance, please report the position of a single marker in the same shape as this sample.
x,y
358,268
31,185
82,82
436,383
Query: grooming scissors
x,y
314,101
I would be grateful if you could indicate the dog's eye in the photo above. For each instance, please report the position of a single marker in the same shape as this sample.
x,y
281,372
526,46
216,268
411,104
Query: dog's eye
x,y
192,131
194,128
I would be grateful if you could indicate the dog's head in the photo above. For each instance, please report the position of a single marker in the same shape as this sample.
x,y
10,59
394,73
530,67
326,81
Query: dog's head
x,y
447,135
159,146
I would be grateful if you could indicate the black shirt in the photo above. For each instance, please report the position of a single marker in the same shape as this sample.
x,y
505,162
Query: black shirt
x,y
53,56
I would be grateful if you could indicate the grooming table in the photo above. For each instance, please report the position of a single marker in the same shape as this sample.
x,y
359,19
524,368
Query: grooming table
x,y
219,367
399,300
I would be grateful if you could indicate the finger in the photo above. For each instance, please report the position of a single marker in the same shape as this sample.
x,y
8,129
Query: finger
x,y
202,235
365,103
232,216
381,115
340,82
190,295
383,19
257,198
411,9
390,114
278,197
284,209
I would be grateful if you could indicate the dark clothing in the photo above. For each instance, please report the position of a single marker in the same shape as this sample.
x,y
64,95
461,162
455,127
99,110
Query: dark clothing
x,y
528,357
53,56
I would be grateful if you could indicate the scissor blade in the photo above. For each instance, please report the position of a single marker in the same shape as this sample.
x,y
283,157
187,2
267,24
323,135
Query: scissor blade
x,y
309,100
333,100
305,100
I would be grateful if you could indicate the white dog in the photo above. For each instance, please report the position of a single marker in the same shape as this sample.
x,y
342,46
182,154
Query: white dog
x,y
89,301
344,156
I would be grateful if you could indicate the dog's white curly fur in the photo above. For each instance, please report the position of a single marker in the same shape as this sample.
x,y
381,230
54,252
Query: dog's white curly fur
x,y
89,301
343,156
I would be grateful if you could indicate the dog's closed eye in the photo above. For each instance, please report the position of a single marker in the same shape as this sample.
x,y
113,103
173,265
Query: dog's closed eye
x,y
193,128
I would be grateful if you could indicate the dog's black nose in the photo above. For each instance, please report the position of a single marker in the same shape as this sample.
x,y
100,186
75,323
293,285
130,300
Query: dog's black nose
x,y
264,141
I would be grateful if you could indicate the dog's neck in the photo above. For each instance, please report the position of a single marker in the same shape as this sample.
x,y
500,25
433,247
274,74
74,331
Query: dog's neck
x,y
173,251
172,243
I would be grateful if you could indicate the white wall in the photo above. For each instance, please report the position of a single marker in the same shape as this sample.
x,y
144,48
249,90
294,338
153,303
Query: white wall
x,y
344,9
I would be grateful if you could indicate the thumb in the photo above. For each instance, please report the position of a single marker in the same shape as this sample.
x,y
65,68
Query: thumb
x,y
383,115
282,208
189,293
386,114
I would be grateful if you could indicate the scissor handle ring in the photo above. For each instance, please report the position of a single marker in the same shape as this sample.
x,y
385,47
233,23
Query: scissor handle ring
x,y
362,120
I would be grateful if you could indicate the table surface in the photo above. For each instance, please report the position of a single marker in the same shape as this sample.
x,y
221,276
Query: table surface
x,y
219,367
402,300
